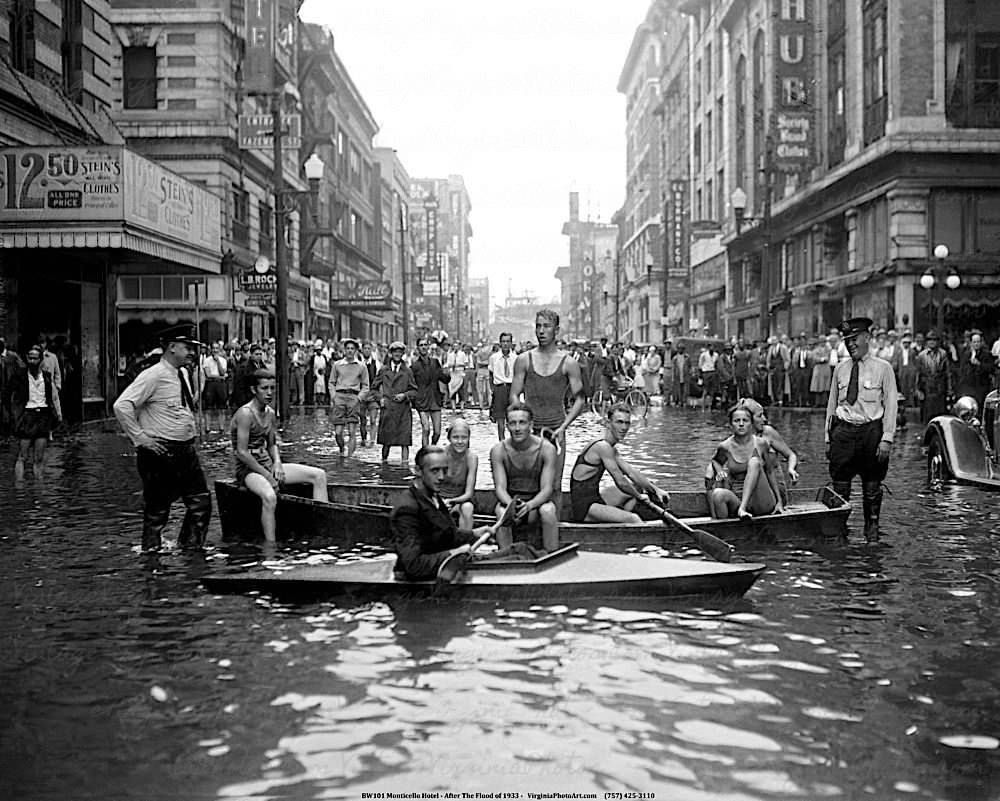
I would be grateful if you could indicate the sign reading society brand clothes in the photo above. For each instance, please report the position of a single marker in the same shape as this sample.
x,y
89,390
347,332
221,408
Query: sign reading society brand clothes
x,y
50,185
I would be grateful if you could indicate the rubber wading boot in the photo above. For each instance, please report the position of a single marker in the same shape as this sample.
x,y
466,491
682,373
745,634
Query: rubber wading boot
x,y
871,497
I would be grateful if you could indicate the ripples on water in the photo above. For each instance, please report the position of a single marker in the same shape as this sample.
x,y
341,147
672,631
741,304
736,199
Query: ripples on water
x,y
836,677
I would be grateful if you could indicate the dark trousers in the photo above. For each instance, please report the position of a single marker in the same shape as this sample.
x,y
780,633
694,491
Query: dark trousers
x,y
215,396
176,474
853,452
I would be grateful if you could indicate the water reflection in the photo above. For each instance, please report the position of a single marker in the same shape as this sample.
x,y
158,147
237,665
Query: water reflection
x,y
841,675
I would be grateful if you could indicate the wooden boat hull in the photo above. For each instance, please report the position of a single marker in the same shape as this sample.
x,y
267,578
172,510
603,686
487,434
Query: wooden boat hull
x,y
563,575
359,513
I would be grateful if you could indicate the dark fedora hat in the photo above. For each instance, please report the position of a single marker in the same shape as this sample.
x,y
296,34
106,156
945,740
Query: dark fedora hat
x,y
850,328
180,333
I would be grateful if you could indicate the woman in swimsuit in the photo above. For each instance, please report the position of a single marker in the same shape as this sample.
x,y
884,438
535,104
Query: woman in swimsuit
x,y
738,480
614,504
777,447
459,484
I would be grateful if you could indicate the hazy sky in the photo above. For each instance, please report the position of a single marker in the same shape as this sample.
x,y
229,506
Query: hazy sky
x,y
518,97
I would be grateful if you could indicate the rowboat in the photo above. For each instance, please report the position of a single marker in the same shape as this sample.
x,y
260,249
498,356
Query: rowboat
x,y
359,513
563,574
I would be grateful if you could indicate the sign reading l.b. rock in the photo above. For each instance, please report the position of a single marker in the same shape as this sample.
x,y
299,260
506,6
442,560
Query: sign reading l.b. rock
x,y
260,282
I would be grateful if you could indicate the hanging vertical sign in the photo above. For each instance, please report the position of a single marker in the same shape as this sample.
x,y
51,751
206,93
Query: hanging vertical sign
x,y
258,60
432,268
793,75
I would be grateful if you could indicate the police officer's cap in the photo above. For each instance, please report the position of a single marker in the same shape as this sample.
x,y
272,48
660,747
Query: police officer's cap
x,y
180,333
848,329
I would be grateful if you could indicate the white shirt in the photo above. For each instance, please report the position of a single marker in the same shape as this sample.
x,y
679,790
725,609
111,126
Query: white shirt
x,y
706,361
152,405
214,366
36,391
502,367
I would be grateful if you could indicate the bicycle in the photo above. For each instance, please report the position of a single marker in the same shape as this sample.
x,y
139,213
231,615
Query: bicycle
x,y
633,397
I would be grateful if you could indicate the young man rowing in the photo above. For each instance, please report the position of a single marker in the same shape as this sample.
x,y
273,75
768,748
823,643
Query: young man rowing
x,y
614,504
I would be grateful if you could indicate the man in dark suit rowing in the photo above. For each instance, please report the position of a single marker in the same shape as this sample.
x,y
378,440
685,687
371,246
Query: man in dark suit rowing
x,y
423,530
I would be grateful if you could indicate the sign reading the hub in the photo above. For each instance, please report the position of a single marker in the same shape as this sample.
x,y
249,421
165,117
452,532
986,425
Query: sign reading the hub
x,y
793,76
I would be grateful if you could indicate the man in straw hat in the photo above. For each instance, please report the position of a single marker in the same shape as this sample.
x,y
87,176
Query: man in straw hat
x,y
861,421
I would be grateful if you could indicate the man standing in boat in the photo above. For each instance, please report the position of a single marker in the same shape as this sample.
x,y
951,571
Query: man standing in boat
x,y
156,411
423,530
547,376
254,434
614,504
861,421
524,470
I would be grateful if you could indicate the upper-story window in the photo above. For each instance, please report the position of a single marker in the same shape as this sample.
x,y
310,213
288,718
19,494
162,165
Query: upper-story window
x,y
874,69
139,77
972,63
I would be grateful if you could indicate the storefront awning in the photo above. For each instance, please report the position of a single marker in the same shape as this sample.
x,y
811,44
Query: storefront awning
x,y
97,237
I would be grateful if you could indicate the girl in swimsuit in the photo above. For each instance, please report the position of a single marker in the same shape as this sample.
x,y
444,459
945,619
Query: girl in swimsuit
x,y
614,504
739,481
459,483
777,447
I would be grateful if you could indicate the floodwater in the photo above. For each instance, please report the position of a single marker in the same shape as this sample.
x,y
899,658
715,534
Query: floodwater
x,y
846,672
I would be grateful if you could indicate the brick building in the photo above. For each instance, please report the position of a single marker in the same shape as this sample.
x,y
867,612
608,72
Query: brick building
x,y
85,220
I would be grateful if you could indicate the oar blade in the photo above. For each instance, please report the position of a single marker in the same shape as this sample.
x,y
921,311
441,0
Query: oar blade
x,y
720,550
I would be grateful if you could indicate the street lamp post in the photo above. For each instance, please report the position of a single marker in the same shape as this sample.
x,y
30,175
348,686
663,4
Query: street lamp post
x,y
942,276
402,264
286,201
738,200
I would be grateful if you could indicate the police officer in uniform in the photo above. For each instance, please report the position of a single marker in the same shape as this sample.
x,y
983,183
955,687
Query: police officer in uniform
x,y
861,421
156,411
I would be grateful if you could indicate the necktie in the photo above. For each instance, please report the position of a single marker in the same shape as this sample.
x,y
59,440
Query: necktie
x,y
852,387
506,367
186,400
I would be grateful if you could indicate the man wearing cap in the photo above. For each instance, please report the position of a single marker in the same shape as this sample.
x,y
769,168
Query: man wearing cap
x,y
933,378
397,389
348,379
156,411
861,421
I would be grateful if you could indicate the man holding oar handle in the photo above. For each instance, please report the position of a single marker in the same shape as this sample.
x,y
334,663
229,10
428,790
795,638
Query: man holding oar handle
x,y
590,503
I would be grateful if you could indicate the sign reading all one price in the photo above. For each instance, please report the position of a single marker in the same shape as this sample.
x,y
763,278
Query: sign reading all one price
x,y
61,183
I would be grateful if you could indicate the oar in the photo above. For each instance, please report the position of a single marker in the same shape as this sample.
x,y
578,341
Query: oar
x,y
453,567
718,549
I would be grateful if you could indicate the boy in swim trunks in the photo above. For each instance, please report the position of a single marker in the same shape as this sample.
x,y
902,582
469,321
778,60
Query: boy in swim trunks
x,y
613,505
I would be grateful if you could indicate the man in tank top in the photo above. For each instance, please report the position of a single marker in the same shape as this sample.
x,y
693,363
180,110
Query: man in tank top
x,y
259,468
547,376
523,474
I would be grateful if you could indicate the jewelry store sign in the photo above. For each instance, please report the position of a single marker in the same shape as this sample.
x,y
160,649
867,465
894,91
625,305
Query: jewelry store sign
x,y
260,282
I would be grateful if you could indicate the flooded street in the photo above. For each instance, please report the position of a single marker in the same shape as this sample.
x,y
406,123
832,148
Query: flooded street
x,y
837,676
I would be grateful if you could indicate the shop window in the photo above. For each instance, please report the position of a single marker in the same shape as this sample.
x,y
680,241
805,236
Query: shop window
x,y
139,77
128,288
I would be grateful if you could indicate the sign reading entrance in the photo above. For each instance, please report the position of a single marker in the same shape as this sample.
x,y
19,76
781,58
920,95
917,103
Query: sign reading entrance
x,y
256,131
